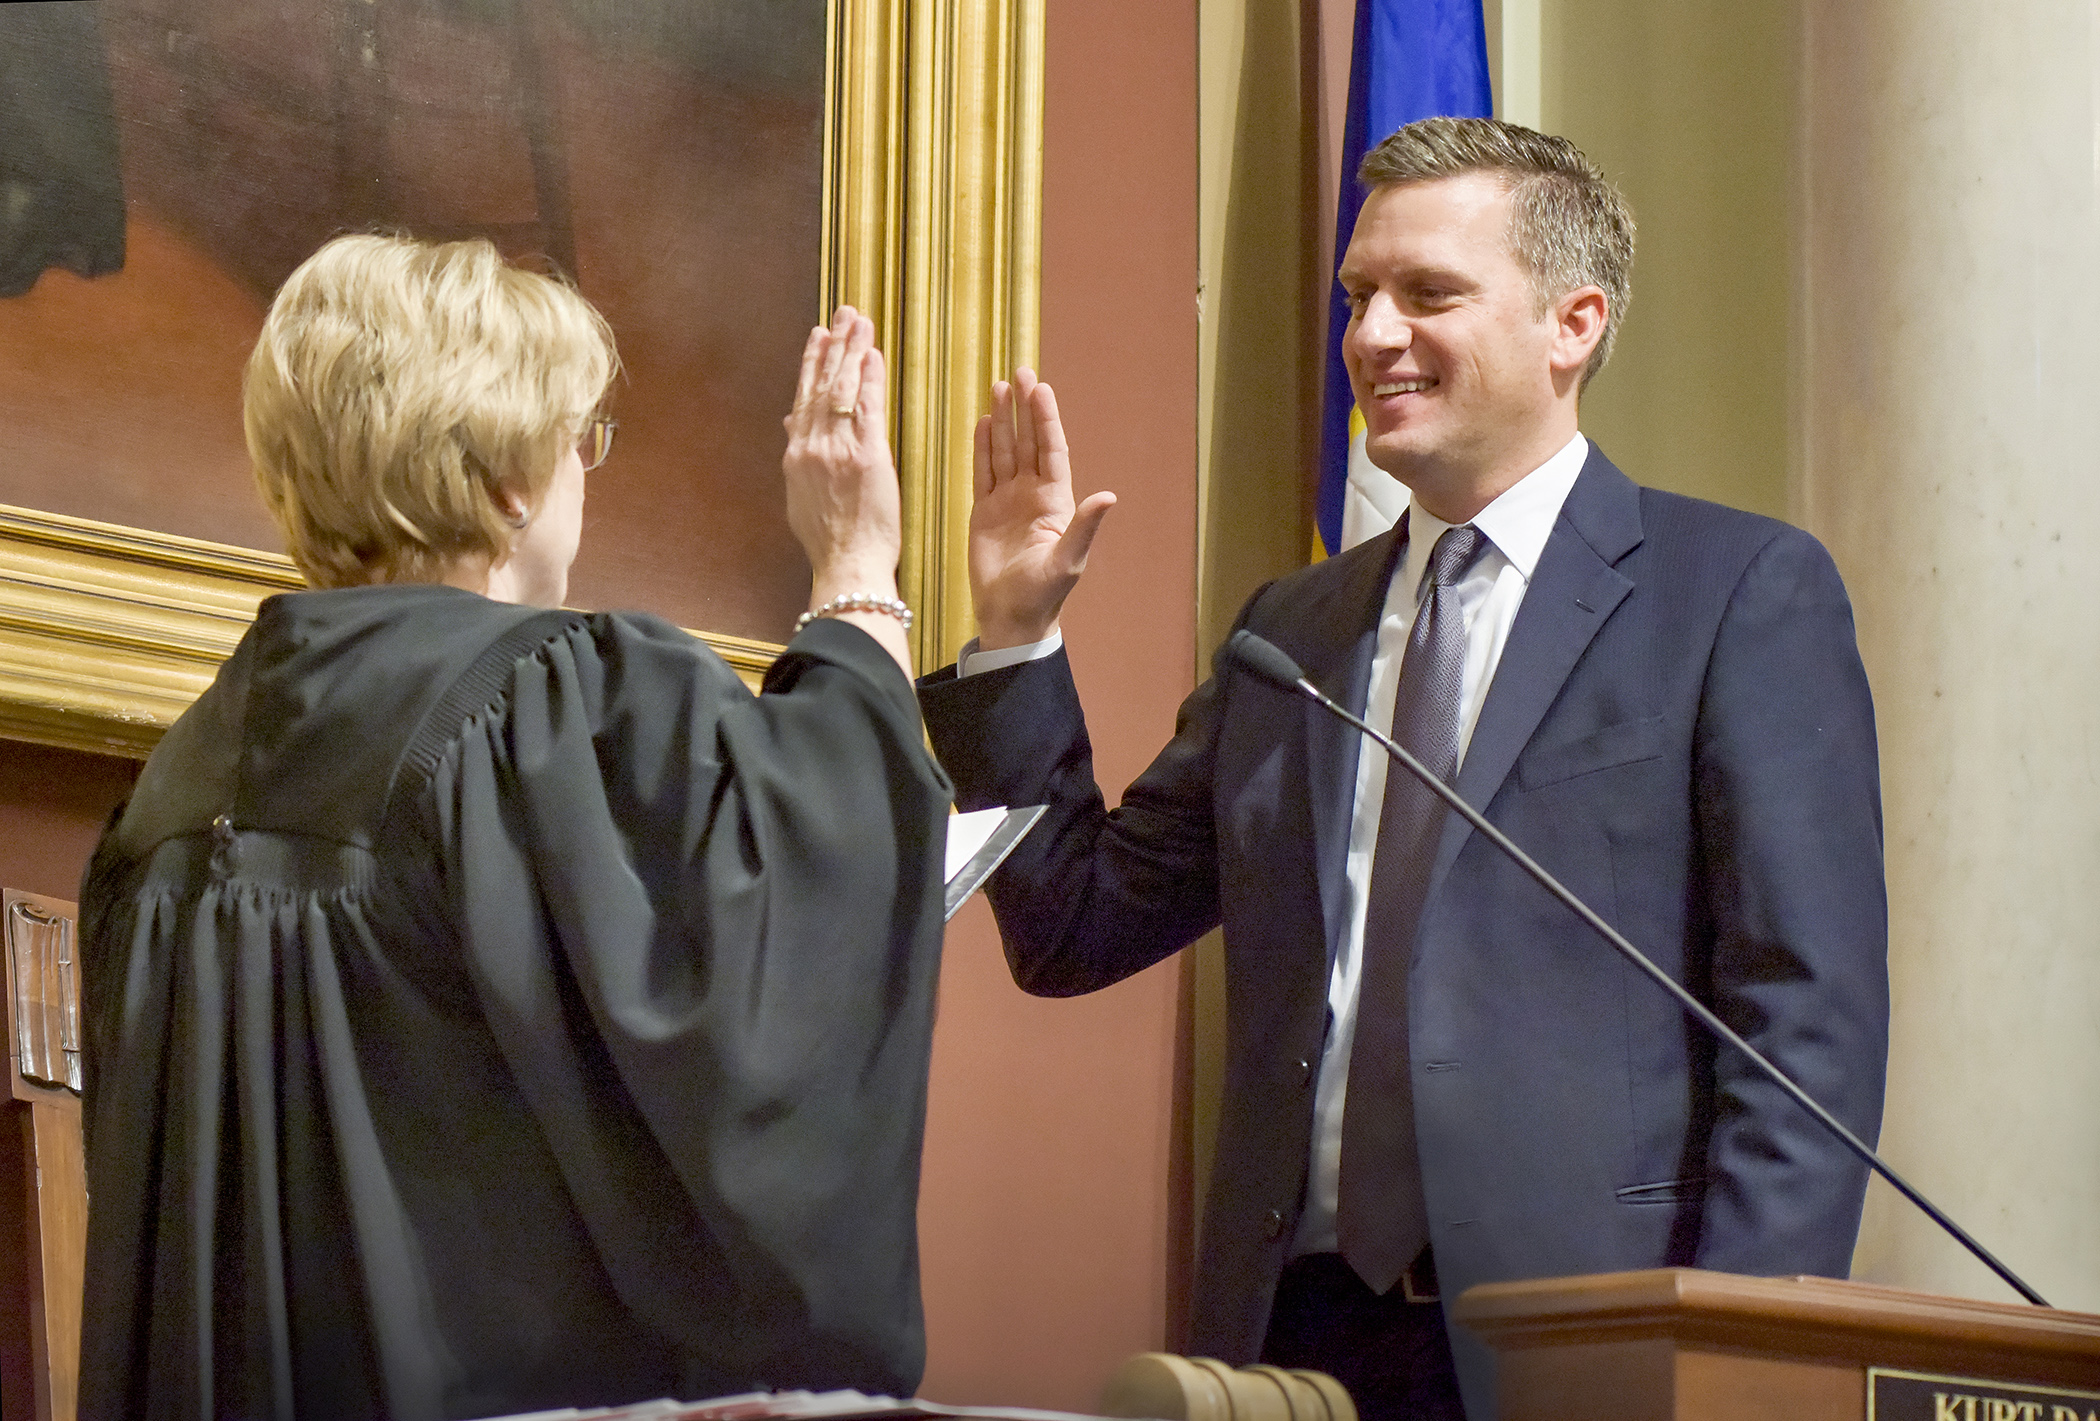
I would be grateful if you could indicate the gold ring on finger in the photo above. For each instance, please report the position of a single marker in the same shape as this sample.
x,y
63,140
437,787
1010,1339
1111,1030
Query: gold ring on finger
x,y
845,411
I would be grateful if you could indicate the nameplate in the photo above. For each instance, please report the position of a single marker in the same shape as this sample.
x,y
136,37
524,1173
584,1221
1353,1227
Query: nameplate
x,y
1921,1396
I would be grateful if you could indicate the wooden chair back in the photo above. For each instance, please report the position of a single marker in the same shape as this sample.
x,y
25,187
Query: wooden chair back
x,y
43,1174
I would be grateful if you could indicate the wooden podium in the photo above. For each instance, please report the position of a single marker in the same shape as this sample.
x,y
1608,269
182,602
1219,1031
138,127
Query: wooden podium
x,y
1675,1344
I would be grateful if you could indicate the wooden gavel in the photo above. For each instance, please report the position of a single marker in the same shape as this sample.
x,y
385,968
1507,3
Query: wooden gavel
x,y
1170,1388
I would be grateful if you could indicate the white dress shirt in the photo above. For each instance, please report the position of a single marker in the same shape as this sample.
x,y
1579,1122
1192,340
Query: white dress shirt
x,y
1516,526
1372,499
972,662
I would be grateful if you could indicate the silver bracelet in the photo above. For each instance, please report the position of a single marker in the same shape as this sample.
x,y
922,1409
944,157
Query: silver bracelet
x,y
858,602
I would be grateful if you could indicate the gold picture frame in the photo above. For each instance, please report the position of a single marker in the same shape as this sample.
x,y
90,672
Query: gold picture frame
x,y
932,225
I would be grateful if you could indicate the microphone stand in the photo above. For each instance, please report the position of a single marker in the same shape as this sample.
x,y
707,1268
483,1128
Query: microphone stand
x,y
1271,665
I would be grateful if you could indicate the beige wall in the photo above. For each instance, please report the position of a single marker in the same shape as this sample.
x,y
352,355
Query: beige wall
x,y
1687,104
1814,183
1262,308
1949,296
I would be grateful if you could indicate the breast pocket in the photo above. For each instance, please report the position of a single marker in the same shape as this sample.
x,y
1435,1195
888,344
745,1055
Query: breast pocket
x,y
1626,743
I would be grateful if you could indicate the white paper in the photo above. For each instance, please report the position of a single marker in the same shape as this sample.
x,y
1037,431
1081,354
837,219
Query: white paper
x,y
793,1406
967,834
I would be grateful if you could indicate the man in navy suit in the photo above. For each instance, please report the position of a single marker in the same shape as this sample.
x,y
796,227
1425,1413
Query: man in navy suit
x,y
1452,1078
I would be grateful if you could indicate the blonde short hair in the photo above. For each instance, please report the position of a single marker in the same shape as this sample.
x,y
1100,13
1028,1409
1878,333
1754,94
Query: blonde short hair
x,y
1567,224
398,387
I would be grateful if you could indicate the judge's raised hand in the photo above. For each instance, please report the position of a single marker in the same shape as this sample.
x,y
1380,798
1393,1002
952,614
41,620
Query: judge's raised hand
x,y
842,500
1028,541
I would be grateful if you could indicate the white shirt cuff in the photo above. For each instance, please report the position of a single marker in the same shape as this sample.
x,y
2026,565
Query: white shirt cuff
x,y
972,662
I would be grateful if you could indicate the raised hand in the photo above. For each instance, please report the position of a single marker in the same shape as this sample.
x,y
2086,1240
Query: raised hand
x,y
842,499
1028,541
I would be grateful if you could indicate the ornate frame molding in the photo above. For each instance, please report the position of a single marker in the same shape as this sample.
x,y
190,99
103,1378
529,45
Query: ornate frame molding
x,y
932,224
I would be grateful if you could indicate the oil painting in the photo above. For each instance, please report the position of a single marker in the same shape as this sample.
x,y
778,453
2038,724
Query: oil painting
x,y
164,164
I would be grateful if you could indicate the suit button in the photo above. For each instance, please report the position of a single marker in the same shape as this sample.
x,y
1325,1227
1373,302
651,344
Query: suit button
x,y
1304,1069
1272,1224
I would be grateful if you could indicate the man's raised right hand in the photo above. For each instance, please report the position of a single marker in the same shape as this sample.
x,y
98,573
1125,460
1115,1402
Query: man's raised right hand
x,y
1028,542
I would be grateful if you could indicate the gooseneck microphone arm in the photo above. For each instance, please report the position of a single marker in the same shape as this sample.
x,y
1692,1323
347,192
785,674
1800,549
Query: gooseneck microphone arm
x,y
1272,666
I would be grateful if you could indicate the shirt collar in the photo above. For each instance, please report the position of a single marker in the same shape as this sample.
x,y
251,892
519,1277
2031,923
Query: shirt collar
x,y
1518,523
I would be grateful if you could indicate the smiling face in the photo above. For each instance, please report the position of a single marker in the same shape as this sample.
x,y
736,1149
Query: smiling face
x,y
1464,386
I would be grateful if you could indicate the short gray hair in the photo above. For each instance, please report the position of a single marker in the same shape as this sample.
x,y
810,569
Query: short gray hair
x,y
1568,224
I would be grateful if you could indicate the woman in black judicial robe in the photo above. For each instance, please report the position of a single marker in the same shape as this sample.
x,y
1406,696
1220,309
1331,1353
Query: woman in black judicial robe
x,y
493,1008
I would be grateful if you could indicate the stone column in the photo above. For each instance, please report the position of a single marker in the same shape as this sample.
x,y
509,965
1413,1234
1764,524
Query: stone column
x,y
1947,392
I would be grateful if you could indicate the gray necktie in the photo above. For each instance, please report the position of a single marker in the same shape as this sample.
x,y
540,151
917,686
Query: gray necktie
x,y
1379,1215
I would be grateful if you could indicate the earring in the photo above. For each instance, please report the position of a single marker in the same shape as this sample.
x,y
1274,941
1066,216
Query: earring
x,y
520,521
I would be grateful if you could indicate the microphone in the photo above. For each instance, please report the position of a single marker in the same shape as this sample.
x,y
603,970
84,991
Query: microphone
x,y
1266,663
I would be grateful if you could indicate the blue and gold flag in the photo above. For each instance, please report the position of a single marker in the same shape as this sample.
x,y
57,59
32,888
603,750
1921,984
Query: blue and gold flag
x,y
1411,59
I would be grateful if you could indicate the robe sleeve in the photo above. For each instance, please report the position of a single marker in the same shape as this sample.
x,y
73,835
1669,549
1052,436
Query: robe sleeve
x,y
705,926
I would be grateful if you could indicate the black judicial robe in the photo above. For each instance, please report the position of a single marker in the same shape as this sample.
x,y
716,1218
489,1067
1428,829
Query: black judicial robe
x,y
492,1009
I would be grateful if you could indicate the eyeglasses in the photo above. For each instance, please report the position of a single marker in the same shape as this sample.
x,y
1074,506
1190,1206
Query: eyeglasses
x,y
596,441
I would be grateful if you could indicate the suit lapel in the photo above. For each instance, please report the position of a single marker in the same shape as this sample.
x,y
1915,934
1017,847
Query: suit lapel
x,y
1573,591
1340,634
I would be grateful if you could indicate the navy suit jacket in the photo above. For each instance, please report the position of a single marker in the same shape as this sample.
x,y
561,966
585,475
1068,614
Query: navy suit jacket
x,y
1680,729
